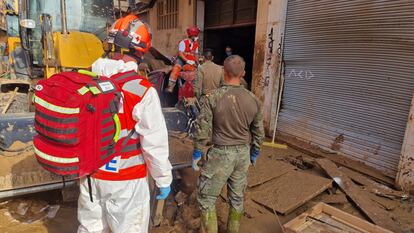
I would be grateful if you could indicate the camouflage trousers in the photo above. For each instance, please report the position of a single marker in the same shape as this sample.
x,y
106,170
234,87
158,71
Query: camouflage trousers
x,y
224,164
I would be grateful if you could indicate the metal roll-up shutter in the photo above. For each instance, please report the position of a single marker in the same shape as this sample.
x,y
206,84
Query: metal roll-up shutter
x,y
349,77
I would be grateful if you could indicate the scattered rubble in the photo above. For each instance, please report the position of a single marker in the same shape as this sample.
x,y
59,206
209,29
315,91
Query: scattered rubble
x,y
325,218
288,167
38,213
19,103
285,173
374,212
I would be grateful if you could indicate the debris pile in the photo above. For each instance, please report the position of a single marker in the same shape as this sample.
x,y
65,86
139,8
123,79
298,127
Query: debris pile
x,y
286,184
29,211
38,213
15,103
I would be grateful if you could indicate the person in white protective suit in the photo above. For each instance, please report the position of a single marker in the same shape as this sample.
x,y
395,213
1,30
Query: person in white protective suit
x,y
120,191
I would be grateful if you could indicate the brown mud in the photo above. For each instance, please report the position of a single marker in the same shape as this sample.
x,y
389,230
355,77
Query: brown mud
x,y
19,168
182,214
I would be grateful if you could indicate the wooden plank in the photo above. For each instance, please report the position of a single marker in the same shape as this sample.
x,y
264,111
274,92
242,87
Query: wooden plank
x,y
405,175
335,199
331,220
386,203
355,221
267,169
373,211
158,213
373,186
289,191
337,158
10,101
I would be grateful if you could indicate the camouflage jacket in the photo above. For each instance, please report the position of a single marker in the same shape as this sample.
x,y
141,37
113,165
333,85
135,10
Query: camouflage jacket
x,y
230,115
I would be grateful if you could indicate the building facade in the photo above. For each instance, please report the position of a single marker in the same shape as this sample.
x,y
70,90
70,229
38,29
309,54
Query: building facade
x,y
345,70
333,74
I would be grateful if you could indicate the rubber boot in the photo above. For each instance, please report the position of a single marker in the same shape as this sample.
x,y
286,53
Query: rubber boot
x,y
233,222
209,222
173,78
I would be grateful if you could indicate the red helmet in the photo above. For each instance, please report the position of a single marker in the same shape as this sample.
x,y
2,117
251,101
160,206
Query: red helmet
x,y
131,33
193,31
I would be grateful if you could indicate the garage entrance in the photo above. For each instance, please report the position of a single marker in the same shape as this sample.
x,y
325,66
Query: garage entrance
x,y
240,39
231,23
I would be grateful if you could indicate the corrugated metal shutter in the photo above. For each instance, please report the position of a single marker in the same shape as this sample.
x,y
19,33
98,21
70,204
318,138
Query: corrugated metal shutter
x,y
349,77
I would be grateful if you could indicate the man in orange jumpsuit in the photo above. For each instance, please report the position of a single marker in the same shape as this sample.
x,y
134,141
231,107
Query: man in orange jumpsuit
x,y
187,56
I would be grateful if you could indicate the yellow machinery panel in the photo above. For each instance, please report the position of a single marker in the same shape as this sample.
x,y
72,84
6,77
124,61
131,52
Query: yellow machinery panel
x,y
77,49
12,43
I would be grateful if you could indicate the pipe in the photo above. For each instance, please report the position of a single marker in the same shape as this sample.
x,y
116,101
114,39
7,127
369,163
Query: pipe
x,y
48,187
181,166
63,17
35,189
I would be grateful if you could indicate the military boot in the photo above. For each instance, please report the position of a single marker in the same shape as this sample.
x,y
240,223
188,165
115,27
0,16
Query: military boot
x,y
233,222
209,222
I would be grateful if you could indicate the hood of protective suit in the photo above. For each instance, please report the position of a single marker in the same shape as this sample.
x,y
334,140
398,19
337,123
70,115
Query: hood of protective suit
x,y
108,67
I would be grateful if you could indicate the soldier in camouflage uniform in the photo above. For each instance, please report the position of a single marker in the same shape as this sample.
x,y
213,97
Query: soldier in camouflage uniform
x,y
234,115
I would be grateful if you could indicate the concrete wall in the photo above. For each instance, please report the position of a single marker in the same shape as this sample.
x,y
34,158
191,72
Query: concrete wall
x,y
166,41
266,79
405,176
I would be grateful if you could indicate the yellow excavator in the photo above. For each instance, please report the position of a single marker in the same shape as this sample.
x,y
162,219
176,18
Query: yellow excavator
x,y
55,36
63,35
52,36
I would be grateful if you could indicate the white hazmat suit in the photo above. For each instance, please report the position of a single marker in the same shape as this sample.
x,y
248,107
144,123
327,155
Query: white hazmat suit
x,y
123,206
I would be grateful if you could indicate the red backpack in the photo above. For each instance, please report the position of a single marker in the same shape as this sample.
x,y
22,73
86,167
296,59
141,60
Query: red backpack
x,y
77,122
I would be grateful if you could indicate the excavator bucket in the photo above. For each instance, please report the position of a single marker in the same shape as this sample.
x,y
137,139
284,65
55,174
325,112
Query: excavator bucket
x,y
16,123
15,127
19,127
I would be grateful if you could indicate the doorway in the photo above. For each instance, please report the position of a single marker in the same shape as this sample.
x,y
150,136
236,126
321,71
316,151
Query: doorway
x,y
240,39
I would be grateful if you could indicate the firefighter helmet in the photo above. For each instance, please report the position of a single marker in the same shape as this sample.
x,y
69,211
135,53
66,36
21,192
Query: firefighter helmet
x,y
132,34
193,31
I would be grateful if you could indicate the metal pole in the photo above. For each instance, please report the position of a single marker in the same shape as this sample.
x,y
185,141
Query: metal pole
x,y
35,189
63,17
119,8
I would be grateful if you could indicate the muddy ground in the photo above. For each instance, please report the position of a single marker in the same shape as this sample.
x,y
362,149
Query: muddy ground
x,y
46,212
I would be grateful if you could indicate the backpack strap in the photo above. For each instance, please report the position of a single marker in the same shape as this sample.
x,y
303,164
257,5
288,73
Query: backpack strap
x,y
90,187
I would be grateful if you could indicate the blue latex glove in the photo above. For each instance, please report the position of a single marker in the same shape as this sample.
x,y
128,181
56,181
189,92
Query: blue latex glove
x,y
163,193
254,154
197,154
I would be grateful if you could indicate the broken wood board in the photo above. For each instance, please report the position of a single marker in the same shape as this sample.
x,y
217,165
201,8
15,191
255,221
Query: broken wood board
x,y
363,201
373,186
339,198
384,202
325,218
267,169
289,191
317,152
301,162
